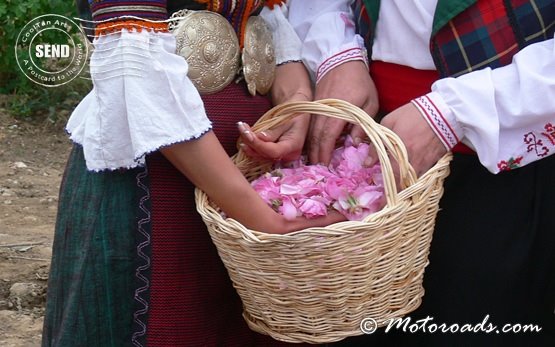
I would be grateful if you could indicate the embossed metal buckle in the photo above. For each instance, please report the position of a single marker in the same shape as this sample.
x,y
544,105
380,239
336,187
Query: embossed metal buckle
x,y
209,44
259,61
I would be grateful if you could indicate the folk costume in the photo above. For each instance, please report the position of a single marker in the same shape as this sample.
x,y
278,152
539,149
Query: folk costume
x,y
482,74
133,263
484,79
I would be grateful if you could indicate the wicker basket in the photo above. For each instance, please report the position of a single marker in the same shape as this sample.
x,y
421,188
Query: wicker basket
x,y
317,285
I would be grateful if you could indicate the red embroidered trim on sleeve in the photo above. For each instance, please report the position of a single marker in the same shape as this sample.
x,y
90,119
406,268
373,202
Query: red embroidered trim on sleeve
x,y
549,133
137,25
508,165
536,143
436,121
340,58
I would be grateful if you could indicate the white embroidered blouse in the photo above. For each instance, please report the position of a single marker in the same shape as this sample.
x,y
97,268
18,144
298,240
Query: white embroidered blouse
x,y
143,100
507,115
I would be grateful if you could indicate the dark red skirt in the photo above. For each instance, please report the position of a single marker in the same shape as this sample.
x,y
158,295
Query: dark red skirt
x,y
133,263
192,300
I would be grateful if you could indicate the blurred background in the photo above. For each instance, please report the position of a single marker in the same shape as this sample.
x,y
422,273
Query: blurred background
x,y
33,151
24,99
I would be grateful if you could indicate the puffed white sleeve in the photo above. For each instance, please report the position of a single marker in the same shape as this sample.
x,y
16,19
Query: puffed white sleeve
x,y
507,114
141,100
327,31
287,45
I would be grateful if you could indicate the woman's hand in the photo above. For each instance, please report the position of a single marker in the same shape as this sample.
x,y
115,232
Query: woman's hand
x,y
205,163
286,141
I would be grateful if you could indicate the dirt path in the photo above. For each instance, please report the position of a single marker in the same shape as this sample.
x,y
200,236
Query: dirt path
x,y
32,159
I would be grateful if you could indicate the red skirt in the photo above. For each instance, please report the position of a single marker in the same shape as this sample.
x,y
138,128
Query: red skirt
x,y
133,263
192,301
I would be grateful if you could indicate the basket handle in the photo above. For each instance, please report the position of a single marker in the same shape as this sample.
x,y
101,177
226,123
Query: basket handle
x,y
384,140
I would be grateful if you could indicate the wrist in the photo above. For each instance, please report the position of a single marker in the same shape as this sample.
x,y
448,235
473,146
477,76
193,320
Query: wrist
x,y
279,225
353,54
291,84
299,94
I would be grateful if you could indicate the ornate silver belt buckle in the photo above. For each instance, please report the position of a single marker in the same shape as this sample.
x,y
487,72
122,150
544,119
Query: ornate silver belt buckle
x,y
209,44
259,61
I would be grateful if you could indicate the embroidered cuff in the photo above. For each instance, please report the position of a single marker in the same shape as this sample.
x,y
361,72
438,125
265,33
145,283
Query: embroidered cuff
x,y
439,118
355,53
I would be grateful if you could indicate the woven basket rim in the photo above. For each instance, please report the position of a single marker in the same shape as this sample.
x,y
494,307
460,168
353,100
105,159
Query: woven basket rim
x,y
316,285
338,109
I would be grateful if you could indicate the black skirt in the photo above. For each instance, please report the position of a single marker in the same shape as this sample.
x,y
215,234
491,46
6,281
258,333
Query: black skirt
x,y
492,261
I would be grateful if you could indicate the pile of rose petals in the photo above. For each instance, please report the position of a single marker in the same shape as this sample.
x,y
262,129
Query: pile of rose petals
x,y
351,184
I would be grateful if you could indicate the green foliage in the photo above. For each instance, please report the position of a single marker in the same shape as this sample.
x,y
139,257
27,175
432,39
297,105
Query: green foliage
x,y
14,14
51,105
29,99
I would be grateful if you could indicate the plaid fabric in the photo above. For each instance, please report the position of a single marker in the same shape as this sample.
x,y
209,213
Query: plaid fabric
x,y
366,15
489,33
470,35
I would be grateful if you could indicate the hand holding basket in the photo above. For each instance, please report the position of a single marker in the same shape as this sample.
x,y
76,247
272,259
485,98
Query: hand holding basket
x,y
317,285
